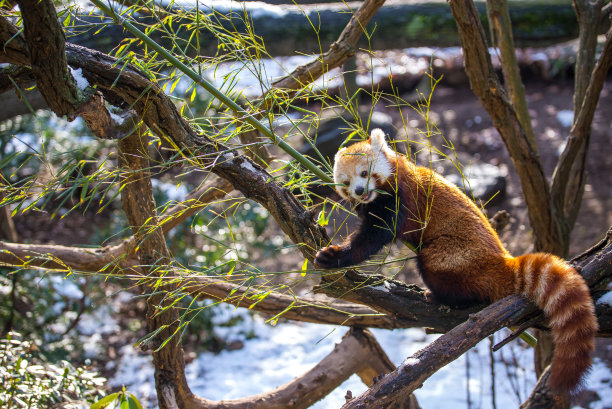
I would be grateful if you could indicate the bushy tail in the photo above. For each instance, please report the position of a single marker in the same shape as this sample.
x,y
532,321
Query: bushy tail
x,y
564,297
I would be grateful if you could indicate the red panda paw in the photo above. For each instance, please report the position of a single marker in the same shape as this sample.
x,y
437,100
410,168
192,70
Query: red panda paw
x,y
430,297
328,257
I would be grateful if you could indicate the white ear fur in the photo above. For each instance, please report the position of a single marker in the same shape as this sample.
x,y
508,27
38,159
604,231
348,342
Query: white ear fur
x,y
377,139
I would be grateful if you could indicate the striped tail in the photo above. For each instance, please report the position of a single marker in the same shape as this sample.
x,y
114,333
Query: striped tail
x,y
565,299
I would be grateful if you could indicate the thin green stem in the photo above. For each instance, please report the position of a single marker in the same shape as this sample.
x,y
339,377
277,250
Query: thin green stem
x,y
231,104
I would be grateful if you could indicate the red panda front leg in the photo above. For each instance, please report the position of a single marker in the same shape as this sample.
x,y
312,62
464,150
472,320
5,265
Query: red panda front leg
x,y
353,251
380,221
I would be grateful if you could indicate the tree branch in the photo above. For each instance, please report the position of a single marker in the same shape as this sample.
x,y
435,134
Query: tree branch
x,y
339,51
512,310
570,174
162,318
359,353
45,39
501,32
403,306
411,374
14,50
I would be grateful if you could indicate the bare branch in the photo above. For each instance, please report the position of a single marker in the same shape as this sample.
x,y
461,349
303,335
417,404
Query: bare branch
x,y
541,396
359,352
570,174
341,50
501,27
411,374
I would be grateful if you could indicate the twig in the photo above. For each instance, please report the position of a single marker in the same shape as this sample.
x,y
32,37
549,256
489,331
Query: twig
x,y
492,371
518,331
501,27
230,103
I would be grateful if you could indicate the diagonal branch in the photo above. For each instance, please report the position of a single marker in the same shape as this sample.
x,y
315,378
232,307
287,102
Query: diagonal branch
x,y
340,51
358,352
411,374
511,310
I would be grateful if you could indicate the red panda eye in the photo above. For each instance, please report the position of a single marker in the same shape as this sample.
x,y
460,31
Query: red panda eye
x,y
364,173
346,183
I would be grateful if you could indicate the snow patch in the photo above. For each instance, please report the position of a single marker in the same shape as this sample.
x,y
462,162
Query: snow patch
x,y
598,380
66,287
605,299
565,117
81,81
248,166
411,361
174,191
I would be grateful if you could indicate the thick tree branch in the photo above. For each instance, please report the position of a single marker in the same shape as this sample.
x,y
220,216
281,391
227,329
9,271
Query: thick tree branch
x,y
359,353
411,374
14,47
512,310
46,46
54,80
404,305
162,318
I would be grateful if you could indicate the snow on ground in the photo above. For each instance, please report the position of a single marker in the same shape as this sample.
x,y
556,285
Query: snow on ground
x,y
599,381
279,353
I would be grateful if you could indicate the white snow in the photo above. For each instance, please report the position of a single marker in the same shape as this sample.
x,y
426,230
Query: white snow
x,y
599,380
605,299
279,353
248,166
65,287
565,117
411,361
173,191
81,81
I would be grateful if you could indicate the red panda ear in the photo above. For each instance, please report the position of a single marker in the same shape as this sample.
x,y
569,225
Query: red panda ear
x,y
377,139
339,154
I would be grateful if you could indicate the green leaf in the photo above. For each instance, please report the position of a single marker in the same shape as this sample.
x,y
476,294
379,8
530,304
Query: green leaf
x,y
102,403
304,267
124,402
133,402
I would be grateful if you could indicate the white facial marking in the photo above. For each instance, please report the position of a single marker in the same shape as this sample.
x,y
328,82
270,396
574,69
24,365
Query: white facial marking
x,y
362,166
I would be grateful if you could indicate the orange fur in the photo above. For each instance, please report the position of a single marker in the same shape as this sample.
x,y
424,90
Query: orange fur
x,y
460,257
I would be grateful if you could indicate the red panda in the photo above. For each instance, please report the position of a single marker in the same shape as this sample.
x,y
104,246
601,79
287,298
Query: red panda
x,y
459,255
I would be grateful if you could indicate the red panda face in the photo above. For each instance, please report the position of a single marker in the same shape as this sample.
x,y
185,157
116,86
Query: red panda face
x,y
362,168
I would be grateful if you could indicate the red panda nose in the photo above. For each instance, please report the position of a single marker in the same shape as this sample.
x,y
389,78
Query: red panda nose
x,y
359,191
